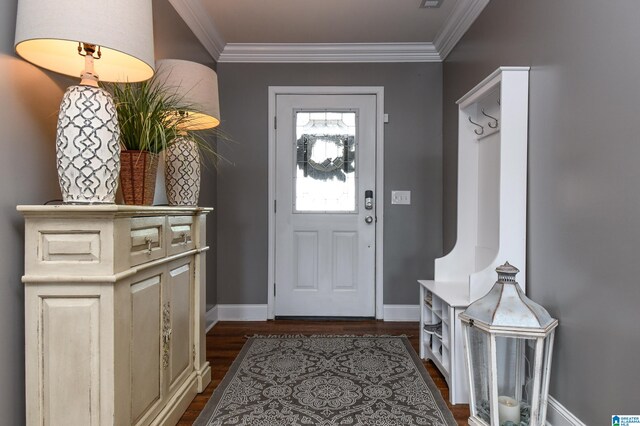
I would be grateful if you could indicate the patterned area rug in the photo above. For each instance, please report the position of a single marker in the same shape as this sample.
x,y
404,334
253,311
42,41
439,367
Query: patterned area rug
x,y
326,381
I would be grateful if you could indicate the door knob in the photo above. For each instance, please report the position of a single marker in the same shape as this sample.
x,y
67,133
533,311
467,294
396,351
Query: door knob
x,y
368,219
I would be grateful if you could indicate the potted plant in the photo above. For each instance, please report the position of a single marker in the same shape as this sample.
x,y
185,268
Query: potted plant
x,y
149,122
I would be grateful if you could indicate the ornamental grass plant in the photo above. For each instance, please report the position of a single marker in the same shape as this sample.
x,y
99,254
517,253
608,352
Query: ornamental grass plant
x,y
152,115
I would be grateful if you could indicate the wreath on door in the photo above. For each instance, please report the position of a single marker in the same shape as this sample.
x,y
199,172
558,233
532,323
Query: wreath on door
x,y
329,168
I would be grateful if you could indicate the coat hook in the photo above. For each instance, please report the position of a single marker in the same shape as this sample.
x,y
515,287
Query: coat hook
x,y
492,125
481,131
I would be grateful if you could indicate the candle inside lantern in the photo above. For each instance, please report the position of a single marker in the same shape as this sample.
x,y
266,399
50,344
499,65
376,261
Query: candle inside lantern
x,y
508,410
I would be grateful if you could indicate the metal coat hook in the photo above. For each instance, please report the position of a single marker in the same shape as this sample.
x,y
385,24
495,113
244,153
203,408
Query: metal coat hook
x,y
477,125
492,125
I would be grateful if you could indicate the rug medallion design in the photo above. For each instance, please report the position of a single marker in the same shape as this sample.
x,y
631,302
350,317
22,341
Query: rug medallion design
x,y
326,381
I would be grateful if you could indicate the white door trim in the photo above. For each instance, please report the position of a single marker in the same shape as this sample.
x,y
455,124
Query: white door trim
x,y
378,91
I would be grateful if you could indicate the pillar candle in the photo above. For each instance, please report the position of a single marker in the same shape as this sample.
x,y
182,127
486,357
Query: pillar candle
x,y
508,409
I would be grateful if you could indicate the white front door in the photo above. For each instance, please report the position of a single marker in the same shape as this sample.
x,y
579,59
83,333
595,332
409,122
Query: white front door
x,y
324,228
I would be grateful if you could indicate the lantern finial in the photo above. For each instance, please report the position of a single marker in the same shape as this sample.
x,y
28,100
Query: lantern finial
x,y
507,273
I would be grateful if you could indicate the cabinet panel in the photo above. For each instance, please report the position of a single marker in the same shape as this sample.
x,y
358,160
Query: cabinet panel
x,y
180,296
70,247
145,345
70,361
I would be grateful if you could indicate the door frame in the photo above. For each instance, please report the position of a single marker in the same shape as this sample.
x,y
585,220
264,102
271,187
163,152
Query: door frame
x,y
378,91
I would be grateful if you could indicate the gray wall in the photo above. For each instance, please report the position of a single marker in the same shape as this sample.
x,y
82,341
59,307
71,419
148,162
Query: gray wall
x,y
413,140
30,99
584,181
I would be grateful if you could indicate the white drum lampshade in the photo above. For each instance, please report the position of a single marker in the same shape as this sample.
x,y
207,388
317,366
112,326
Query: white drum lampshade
x,y
66,36
196,85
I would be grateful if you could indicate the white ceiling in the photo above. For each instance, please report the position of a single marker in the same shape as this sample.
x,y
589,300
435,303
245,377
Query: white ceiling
x,y
326,21
328,30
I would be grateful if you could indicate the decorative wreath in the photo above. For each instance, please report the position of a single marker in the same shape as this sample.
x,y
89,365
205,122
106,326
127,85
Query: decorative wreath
x,y
331,167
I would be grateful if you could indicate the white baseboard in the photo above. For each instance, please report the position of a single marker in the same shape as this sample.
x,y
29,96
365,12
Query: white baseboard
x,y
211,318
395,313
242,312
558,415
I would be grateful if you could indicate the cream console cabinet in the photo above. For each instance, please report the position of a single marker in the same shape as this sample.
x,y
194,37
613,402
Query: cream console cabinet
x,y
114,312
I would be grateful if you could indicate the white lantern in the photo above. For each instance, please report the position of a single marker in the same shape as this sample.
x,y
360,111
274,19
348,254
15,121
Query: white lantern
x,y
508,344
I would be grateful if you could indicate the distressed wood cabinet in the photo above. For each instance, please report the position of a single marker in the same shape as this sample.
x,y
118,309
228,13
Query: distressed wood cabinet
x,y
114,312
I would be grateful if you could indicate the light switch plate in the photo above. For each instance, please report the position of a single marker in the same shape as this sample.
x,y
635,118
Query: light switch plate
x,y
400,197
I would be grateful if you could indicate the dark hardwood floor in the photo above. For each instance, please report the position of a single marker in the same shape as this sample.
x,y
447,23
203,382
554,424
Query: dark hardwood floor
x,y
226,339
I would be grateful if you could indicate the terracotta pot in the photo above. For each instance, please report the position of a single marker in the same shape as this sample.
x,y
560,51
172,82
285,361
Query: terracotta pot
x,y
182,173
138,177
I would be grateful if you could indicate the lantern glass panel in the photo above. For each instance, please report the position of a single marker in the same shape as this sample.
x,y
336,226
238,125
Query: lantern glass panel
x,y
479,362
515,360
538,417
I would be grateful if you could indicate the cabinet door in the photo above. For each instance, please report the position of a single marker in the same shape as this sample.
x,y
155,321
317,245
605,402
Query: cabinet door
x,y
180,296
146,345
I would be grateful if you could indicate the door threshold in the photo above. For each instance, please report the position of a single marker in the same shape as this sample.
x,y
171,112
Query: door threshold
x,y
306,318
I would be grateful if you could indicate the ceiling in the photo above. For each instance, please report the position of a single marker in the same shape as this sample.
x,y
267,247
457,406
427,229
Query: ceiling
x,y
328,30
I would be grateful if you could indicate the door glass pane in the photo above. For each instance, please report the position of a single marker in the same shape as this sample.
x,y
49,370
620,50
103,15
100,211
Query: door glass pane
x,y
325,177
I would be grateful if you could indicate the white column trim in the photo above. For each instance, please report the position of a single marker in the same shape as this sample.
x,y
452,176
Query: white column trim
x,y
378,91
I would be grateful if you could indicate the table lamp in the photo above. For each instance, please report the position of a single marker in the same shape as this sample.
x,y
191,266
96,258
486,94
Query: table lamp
x,y
196,85
67,36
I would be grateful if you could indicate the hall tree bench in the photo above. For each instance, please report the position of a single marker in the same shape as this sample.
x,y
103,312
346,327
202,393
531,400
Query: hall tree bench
x,y
114,313
491,217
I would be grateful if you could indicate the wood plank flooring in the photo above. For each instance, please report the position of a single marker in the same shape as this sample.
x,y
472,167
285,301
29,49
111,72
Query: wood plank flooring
x,y
226,339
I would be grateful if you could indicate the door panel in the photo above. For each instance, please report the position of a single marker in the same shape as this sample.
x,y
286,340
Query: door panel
x,y
325,161
345,260
306,260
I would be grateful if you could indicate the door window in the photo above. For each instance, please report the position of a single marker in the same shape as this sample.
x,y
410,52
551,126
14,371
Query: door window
x,y
325,178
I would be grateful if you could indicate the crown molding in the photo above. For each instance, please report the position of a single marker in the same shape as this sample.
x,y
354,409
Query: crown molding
x,y
197,19
329,52
457,24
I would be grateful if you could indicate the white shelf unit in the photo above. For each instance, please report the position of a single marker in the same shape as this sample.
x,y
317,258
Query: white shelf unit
x,y
447,300
491,220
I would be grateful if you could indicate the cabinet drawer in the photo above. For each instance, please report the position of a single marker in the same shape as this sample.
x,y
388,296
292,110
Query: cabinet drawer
x,y
147,239
180,234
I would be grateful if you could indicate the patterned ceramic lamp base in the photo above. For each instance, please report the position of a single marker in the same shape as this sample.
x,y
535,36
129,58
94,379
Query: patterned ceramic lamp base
x,y
182,173
87,147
